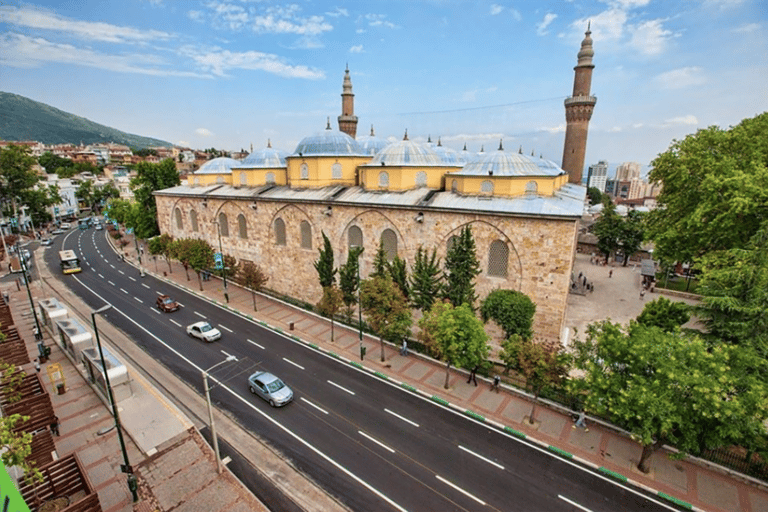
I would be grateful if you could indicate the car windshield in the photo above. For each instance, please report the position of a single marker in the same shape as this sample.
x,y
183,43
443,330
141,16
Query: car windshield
x,y
167,300
206,328
275,385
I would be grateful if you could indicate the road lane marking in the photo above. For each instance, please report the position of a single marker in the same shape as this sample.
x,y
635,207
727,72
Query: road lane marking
x,y
460,490
254,343
121,272
159,293
340,387
573,503
111,265
174,322
132,279
138,299
158,312
400,417
313,405
228,355
199,314
101,276
110,282
481,457
376,441
294,364
145,286
226,328
123,290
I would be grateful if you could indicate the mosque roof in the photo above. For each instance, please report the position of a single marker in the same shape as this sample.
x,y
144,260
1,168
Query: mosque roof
x,y
329,142
265,158
372,144
505,163
448,155
407,153
221,165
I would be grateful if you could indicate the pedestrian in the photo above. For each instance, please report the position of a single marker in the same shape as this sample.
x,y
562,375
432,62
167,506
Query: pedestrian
x,y
580,274
37,365
496,382
642,293
404,348
55,426
610,273
473,375
581,422
584,282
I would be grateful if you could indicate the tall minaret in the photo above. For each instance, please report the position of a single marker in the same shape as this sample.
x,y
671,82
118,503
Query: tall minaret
x,y
578,112
348,119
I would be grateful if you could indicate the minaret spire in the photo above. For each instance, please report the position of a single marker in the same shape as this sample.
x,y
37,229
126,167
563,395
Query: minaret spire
x,y
578,111
348,119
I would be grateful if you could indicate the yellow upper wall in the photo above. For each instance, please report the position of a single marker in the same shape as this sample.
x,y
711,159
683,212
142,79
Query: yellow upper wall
x,y
398,178
505,185
259,177
204,180
323,171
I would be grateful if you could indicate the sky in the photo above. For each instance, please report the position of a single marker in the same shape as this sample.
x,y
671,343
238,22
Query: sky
x,y
234,73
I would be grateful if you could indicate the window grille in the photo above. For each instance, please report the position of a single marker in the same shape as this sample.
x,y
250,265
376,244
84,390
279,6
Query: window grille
x,y
454,186
220,180
223,224
242,227
179,224
384,179
451,241
304,172
486,187
270,178
279,231
243,179
421,179
306,235
355,236
389,241
193,220
498,257
336,171
531,188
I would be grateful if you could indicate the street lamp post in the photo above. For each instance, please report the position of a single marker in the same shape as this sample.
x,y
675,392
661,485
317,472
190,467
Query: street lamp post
x,y
126,468
223,268
359,304
38,333
138,253
210,410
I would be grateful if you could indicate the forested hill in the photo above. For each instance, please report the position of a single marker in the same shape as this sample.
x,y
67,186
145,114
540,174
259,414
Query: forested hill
x,y
25,119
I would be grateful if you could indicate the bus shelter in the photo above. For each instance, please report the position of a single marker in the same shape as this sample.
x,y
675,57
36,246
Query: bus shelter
x,y
51,311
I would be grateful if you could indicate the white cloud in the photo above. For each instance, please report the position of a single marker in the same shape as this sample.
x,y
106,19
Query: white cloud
x,y
204,132
273,19
560,128
725,5
38,18
338,12
630,4
358,48
183,143
689,120
379,20
496,9
650,38
198,16
680,78
747,28
541,27
516,14
219,62
31,52
608,26
471,95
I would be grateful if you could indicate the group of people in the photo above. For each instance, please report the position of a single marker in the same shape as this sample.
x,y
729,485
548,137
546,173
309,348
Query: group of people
x,y
581,283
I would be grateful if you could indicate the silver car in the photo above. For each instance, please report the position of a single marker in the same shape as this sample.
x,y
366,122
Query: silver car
x,y
270,388
204,331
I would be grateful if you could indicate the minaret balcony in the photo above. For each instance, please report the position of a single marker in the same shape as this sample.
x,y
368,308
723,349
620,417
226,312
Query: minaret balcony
x,y
580,100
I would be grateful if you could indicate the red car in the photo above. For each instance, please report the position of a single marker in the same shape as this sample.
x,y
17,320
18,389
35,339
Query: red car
x,y
167,304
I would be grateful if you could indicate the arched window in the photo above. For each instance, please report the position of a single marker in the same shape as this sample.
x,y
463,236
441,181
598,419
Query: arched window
x,y
355,237
384,179
531,188
389,241
421,179
336,171
242,227
306,235
270,178
243,179
486,187
304,172
219,180
279,231
193,220
498,257
223,224
196,181
179,224
450,242
454,186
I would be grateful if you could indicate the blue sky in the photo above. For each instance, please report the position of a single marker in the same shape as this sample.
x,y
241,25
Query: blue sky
x,y
231,73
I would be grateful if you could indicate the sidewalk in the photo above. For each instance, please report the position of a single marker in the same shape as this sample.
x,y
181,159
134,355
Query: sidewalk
x,y
699,484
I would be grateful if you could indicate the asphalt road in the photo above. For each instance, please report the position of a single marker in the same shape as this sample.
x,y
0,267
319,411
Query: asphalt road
x,y
373,445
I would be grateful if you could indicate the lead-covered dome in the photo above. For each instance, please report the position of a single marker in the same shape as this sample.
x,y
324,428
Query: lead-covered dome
x,y
503,163
267,158
407,153
371,144
329,142
221,165
448,155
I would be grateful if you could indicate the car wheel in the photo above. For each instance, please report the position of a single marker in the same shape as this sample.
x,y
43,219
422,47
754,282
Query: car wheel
x,y
253,391
272,403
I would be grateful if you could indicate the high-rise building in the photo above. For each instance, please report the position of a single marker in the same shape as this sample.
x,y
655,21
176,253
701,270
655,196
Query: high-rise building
x,y
627,171
578,112
598,175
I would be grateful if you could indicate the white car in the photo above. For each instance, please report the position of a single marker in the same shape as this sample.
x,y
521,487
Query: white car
x,y
203,331
46,242
66,225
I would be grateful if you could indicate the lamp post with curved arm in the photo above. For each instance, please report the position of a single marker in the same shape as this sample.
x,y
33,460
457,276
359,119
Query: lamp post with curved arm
x,y
210,409
223,268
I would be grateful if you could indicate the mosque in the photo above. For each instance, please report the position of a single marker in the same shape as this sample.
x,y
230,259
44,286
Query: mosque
x,y
271,207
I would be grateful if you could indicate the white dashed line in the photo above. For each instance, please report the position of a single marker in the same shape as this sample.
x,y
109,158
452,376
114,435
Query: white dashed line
x,y
294,364
340,387
465,493
226,328
157,311
110,282
573,503
138,299
124,291
376,441
400,417
145,286
121,272
111,265
481,457
315,406
254,343
101,276
199,314
174,322
132,279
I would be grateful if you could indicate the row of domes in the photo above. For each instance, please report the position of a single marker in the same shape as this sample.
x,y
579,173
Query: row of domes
x,y
406,152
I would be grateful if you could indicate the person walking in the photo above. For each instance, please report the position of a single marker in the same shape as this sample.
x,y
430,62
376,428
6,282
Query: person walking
x,y
496,382
610,273
55,426
642,293
581,421
473,375
404,348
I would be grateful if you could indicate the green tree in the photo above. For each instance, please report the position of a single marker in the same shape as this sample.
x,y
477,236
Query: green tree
x,y
162,244
181,250
51,162
102,195
386,309
85,193
632,234
330,304
398,271
595,196
512,310
150,178
669,387
348,282
17,446
456,335
461,269
425,279
510,348
16,174
380,263
714,190
199,257
541,367
38,201
608,228
324,264
664,314
253,278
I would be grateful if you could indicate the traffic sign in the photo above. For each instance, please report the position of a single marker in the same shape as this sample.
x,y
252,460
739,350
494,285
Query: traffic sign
x,y
218,261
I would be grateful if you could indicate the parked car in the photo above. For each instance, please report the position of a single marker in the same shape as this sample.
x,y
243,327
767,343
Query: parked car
x,y
203,331
167,304
66,225
46,242
270,388
57,231
98,226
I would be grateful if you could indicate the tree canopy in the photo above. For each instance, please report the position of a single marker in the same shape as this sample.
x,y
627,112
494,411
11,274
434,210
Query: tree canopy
x,y
386,309
461,269
16,174
425,279
348,278
149,178
324,265
664,314
512,310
